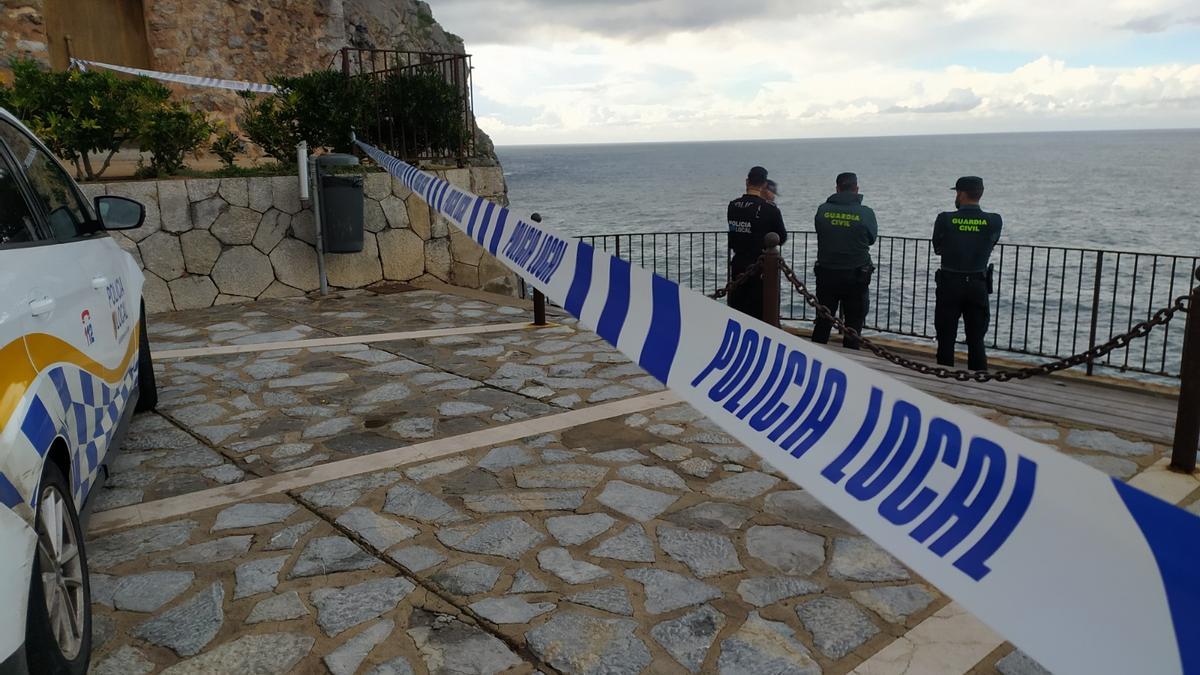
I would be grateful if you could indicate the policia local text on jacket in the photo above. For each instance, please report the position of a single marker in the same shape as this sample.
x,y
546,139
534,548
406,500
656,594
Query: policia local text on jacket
x,y
964,239
750,219
845,232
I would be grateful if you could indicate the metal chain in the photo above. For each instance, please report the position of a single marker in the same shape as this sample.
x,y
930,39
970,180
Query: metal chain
x,y
751,272
1138,331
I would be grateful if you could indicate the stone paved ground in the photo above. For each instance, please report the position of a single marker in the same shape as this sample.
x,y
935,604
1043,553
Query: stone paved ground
x,y
651,542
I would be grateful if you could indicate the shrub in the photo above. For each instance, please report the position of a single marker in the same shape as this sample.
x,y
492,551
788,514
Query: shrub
x,y
169,131
321,108
227,146
270,125
416,112
426,112
77,113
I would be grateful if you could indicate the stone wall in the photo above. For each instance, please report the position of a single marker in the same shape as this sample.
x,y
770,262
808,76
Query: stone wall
x,y
22,32
246,40
214,241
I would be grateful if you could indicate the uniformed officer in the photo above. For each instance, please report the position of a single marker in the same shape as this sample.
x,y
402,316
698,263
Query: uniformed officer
x,y
771,193
845,232
750,218
964,239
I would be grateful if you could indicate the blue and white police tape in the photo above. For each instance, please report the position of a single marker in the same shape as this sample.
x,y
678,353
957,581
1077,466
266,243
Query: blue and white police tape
x,y
1083,572
178,78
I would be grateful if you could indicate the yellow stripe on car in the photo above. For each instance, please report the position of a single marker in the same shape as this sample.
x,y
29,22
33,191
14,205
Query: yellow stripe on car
x,y
17,372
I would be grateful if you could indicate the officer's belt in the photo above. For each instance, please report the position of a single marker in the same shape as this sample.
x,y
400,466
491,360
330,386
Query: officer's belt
x,y
982,274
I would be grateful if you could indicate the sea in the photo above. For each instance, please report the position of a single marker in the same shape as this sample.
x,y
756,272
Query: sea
x,y
1129,190
1087,191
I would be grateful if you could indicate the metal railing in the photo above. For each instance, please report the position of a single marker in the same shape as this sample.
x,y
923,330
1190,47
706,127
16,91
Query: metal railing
x,y
425,133
1049,301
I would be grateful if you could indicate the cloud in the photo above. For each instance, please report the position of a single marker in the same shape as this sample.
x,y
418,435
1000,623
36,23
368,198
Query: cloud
x,y
957,100
478,20
1148,24
634,70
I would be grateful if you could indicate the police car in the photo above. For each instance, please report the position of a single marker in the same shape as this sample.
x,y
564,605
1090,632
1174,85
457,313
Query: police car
x,y
74,366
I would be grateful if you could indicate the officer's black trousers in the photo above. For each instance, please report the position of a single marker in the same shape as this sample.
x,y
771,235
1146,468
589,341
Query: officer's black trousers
x,y
747,298
848,289
966,296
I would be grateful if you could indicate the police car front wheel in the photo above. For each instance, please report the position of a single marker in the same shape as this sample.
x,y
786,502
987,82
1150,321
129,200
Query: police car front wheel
x,y
58,636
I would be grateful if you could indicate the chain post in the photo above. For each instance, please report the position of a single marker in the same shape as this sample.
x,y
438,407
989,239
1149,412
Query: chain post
x,y
1095,308
770,279
346,61
1187,417
539,300
539,308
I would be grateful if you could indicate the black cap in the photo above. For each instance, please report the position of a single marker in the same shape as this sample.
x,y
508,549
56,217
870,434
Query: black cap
x,y
757,175
773,187
847,181
968,184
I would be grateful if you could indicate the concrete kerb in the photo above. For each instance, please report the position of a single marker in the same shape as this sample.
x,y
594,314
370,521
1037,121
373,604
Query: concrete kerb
x,y
346,340
172,507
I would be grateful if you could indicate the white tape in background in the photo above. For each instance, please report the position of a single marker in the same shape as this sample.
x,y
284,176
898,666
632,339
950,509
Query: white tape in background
x,y
194,80
1083,572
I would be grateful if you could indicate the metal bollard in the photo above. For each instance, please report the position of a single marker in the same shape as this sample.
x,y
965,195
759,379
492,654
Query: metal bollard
x,y
539,308
539,300
1187,417
770,276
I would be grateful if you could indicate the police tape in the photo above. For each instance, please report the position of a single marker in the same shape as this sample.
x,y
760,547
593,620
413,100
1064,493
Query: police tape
x,y
1083,572
179,78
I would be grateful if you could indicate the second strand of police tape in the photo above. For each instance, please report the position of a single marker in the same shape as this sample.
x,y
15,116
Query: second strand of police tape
x,y
1086,574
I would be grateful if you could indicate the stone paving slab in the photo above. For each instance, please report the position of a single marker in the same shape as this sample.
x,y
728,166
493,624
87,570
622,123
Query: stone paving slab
x,y
275,602
666,543
283,410
673,576
225,325
162,459
564,366
358,312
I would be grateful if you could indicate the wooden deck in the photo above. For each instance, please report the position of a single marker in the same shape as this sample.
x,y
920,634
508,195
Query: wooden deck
x,y
1150,416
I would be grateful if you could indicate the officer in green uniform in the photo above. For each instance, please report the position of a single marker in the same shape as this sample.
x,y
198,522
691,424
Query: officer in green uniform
x,y
964,239
845,232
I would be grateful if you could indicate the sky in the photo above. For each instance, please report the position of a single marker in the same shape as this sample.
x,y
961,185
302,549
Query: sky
x,y
605,71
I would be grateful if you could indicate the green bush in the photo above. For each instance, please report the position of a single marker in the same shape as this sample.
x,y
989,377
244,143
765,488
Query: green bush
x,y
80,113
270,125
321,108
169,131
227,146
415,112
77,113
427,112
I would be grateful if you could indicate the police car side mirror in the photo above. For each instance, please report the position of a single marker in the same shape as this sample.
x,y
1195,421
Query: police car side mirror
x,y
119,213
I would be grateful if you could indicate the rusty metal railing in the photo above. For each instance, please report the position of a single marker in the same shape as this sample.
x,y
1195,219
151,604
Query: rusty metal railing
x,y
441,129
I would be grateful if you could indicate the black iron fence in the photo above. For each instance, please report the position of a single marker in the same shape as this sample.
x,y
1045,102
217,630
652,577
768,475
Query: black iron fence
x,y
1049,301
426,106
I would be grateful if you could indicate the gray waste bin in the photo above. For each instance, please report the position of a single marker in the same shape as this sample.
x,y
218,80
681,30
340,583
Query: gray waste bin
x,y
341,205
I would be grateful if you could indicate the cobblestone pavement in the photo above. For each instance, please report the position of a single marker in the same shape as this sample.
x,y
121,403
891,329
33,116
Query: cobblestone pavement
x,y
651,542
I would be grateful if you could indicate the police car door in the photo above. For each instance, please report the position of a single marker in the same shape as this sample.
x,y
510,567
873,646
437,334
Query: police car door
x,y
18,233
72,322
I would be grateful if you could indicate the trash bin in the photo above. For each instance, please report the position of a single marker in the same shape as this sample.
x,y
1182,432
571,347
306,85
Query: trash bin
x,y
341,205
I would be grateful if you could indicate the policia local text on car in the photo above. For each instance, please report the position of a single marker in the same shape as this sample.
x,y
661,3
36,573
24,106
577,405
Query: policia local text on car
x,y
845,232
964,239
750,218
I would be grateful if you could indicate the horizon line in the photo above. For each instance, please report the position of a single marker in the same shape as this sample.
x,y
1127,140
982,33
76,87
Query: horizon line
x,y
835,138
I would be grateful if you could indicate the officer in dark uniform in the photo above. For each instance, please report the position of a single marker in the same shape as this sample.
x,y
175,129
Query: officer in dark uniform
x,y
845,232
964,239
750,218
